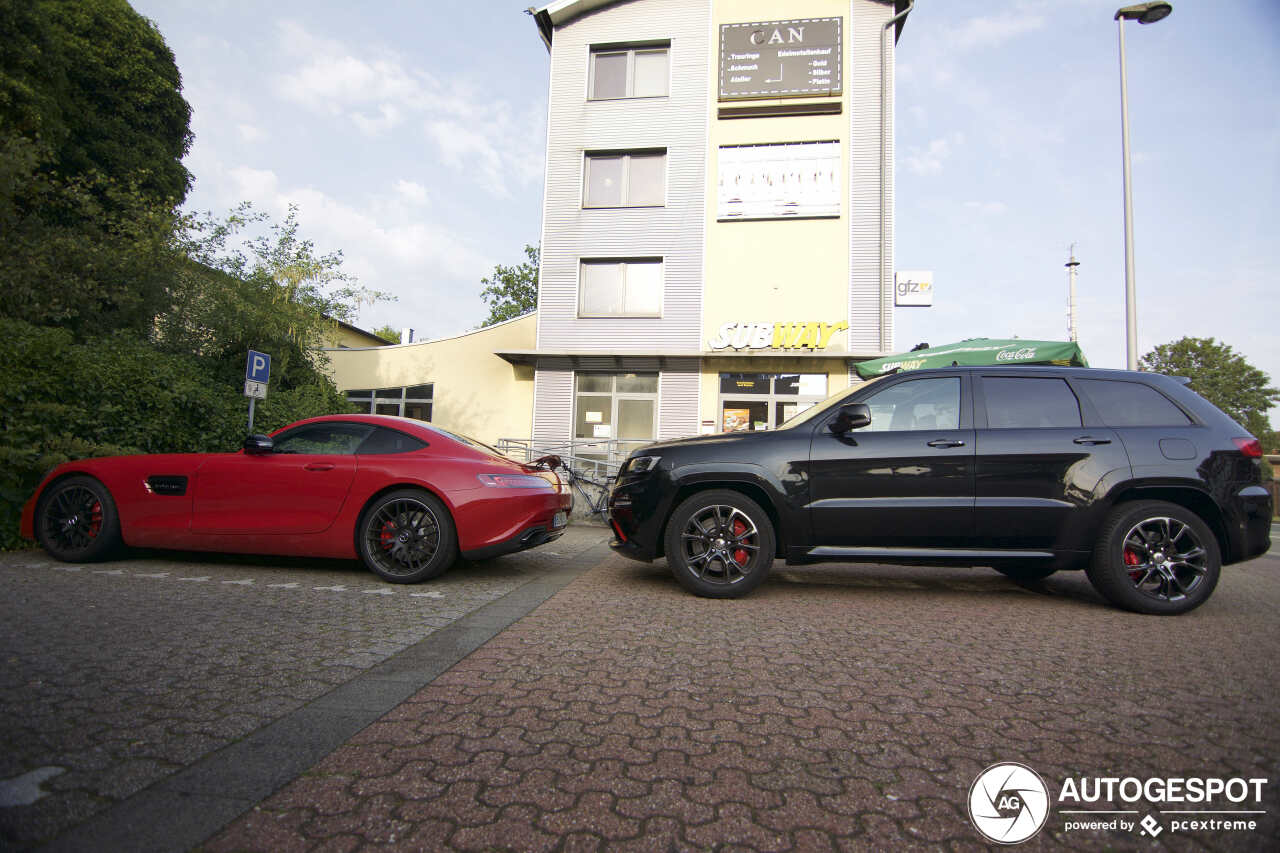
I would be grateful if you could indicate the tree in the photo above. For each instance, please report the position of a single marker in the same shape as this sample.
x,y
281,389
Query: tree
x,y
1221,376
388,334
511,291
250,283
93,128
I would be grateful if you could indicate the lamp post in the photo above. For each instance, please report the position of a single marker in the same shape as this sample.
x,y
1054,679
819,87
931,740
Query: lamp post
x,y
1143,13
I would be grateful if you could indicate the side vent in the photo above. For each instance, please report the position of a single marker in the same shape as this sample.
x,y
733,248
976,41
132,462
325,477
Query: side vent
x,y
167,484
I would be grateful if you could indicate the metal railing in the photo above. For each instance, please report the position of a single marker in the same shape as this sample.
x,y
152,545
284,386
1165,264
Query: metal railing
x,y
592,465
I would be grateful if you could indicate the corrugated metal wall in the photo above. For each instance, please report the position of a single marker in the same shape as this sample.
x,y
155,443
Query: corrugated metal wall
x,y
867,23
678,399
674,232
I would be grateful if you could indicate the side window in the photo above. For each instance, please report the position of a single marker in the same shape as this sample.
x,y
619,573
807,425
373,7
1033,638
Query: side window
x,y
629,72
916,404
389,441
340,439
1131,404
1020,402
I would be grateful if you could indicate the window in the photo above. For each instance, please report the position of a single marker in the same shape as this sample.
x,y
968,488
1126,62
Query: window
x,y
628,288
631,179
1021,402
1131,404
917,404
628,72
411,402
757,401
323,438
389,441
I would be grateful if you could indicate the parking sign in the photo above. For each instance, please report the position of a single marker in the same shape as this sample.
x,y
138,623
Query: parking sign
x,y
258,367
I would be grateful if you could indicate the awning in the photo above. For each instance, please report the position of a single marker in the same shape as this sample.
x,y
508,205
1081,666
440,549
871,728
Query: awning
x,y
978,351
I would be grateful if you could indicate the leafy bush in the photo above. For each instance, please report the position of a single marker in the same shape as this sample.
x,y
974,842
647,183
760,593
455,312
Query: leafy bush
x,y
63,399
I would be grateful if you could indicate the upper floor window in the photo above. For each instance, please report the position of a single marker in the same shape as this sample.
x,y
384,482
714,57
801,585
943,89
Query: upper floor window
x,y
625,179
628,72
630,287
411,402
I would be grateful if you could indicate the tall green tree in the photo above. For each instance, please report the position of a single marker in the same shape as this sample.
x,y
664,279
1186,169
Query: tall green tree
x,y
389,334
251,283
93,128
1220,375
511,291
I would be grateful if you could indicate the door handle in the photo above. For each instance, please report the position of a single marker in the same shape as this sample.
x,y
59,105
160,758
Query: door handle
x,y
946,442
319,466
1090,441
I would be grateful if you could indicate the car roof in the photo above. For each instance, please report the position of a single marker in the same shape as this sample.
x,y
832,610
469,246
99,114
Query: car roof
x,y
409,425
1014,369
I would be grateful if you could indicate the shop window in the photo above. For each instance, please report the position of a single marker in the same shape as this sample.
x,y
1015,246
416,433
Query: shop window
x,y
620,288
629,179
629,72
759,401
413,401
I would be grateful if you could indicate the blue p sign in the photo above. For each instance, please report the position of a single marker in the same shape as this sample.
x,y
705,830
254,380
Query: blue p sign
x,y
258,368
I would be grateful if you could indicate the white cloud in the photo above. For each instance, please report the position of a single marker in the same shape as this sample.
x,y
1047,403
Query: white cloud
x,y
986,207
251,133
381,91
990,30
930,159
412,191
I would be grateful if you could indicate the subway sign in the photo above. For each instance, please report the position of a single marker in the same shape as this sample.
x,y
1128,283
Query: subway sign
x,y
782,336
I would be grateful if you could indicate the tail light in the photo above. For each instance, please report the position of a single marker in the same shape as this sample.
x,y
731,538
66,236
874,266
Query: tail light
x,y
1250,447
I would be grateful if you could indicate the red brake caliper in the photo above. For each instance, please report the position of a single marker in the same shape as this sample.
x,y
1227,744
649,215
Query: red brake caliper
x,y
740,554
387,536
1131,558
95,519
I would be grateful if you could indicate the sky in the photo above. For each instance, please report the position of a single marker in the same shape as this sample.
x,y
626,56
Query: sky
x,y
411,135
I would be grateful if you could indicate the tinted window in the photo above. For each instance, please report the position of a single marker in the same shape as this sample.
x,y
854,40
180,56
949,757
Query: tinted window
x,y
915,405
327,438
389,441
1016,401
1127,404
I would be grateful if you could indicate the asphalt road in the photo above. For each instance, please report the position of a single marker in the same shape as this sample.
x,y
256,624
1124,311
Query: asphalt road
x,y
290,705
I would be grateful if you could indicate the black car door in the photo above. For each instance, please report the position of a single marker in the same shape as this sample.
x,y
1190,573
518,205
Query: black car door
x,y
904,480
1038,464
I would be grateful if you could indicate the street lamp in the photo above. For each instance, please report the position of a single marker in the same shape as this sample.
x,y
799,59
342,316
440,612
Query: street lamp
x,y
1143,13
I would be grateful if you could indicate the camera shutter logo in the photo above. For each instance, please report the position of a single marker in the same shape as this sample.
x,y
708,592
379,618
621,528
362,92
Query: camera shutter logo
x,y
1008,803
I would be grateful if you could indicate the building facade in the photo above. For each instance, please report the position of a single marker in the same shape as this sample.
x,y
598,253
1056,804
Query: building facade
x,y
717,236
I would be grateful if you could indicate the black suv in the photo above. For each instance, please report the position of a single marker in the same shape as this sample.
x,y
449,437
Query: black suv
x,y
1132,477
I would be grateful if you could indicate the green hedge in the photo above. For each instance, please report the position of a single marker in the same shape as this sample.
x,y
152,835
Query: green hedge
x,y
61,399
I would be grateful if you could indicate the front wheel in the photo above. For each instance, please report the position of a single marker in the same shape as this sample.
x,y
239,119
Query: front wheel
x,y
76,520
407,536
1155,557
719,544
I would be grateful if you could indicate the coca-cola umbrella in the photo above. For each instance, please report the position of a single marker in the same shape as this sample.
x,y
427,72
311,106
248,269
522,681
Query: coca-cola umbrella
x,y
977,351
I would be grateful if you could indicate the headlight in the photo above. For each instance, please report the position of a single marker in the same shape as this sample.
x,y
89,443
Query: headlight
x,y
640,464
514,481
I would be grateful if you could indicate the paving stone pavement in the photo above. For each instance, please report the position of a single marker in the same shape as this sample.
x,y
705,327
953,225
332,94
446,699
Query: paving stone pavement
x,y
118,675
845,708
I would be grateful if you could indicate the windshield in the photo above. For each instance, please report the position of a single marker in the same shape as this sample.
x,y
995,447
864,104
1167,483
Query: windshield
x,y
820,409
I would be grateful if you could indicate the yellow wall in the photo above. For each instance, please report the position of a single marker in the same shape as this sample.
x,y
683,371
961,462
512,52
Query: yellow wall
x,y
778,270
476,393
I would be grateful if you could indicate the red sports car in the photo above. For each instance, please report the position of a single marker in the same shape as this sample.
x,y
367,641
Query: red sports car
x,y
402,495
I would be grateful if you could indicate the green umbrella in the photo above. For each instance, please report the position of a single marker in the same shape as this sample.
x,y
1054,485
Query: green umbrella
x,y
977,351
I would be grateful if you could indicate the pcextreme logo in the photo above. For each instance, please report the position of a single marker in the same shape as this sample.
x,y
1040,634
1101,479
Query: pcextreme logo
x,y
1009,803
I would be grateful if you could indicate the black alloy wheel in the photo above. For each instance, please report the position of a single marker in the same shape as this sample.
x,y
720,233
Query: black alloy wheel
x,y
1156,557
720,544
76,520
407,536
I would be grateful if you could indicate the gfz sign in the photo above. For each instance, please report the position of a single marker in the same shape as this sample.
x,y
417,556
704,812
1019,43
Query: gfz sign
x,y
913,288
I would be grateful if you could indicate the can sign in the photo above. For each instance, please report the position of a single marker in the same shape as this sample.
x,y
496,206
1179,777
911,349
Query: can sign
x,y
913,288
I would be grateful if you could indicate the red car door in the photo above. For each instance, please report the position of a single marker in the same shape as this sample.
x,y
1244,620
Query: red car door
x,y
297,488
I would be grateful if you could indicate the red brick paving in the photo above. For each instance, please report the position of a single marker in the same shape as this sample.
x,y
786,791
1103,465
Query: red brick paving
x,y
845,709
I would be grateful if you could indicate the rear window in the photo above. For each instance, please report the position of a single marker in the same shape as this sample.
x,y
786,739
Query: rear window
x,y
389,441
1015,402
1131,404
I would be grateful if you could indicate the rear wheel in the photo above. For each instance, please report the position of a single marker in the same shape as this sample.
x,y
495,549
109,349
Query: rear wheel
x,y
407,536
1155,557
76,520
720,544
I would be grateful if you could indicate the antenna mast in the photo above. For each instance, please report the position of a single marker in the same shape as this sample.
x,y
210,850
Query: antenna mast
x,y
1071,295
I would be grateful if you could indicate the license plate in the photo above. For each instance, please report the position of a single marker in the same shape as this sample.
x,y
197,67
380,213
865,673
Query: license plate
x,y
559,520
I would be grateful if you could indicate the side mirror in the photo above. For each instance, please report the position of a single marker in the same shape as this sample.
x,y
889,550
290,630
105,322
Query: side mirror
x,y
256,445
850,417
